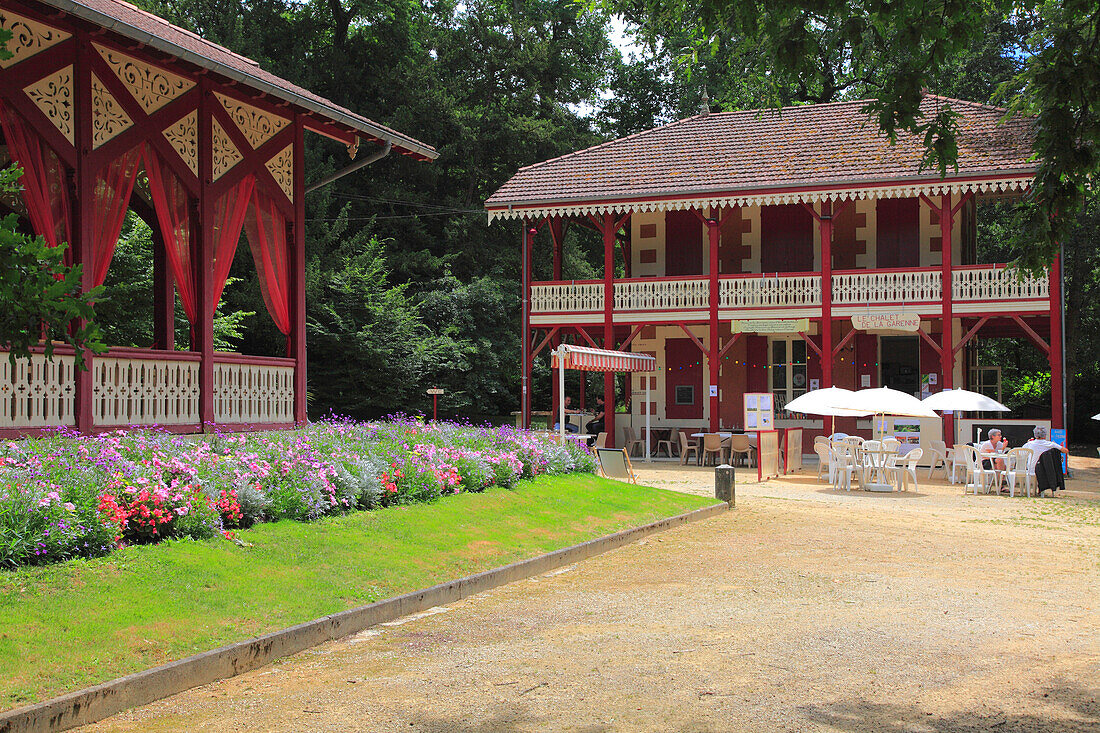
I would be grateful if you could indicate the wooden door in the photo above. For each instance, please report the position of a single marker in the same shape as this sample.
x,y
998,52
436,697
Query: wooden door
x,y
683,380
787,239
898,228
683,243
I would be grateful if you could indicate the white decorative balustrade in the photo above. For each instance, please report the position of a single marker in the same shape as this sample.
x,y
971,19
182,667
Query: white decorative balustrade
x,y
663,294
996,284
36,392
887,286
769,291
149,388
253,390
567,297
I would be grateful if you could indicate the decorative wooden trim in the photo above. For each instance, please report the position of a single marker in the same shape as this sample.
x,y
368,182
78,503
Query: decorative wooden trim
x,y
229,357
29,37
151,86
109,119
257,125
53,96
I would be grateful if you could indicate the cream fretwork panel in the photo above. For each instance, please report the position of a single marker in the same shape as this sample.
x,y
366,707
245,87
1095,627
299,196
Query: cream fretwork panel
x,y
256,125
28,37
54,96
108,117
253,393
36,392
281,166
152,86
226,154
184,139
128,391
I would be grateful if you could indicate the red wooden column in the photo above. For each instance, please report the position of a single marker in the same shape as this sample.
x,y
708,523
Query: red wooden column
x,y
825,224
557,236
298,275
1057,394
204,261
84,213
529,231
947,349
608,229
164,301
713,297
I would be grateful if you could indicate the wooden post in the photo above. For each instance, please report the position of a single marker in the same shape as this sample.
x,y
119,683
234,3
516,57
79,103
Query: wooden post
x,y
164,297
947,350
525,344
204,261
713,297
298,275
826,227
608,323
84,215
1057,393
557,235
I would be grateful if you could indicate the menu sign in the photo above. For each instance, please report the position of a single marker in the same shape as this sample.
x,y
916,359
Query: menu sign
x,y
771,325
886,322
759,411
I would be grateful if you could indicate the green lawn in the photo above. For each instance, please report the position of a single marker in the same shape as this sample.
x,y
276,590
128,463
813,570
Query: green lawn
x,y
67,626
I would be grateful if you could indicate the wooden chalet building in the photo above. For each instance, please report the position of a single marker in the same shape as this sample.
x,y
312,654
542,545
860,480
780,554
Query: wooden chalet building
x,y
776,251
107,108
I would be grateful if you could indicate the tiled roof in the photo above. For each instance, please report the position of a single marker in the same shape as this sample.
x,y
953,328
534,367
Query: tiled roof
x,y
818,145
144,27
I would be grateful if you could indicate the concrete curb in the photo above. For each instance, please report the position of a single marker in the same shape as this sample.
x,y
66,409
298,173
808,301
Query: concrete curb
x,y
102,701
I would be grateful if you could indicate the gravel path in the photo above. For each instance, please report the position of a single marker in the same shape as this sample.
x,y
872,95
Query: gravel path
x,y
803,609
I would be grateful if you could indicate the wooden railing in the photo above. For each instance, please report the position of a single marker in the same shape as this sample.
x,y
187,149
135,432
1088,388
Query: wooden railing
x,y
974,285
142,387
253,389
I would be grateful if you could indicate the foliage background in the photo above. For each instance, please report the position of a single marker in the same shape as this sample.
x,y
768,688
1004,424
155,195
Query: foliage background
x,y
409,287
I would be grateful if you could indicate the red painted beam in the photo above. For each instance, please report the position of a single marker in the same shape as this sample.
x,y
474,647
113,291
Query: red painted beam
x,y
970,334
1035,338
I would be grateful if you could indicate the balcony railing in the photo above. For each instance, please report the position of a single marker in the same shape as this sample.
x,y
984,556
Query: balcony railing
x,y
975,288
145,387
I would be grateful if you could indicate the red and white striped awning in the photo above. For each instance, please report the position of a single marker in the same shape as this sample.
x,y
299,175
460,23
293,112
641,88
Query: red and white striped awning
x,y
602,360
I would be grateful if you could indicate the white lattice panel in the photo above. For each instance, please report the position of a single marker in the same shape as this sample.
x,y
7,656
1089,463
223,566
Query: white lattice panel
x,y
647,294
253,393
770,292
996,284
567,298
127,391
914,286
36,393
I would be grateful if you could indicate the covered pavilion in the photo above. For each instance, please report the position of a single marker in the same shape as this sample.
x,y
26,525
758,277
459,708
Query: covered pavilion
x,y
99,95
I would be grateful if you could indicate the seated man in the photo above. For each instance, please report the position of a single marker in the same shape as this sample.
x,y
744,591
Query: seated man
x,y
569,426
995,444
595,425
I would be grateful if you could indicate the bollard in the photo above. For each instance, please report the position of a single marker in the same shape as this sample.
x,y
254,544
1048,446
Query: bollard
x,y
724,485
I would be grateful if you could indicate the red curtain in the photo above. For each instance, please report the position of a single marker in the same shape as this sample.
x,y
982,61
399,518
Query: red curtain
x,y
45,190
113,186
170,201
229,215
265,227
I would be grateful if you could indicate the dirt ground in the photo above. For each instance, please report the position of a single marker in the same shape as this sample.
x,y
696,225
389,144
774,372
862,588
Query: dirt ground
x,y
803,609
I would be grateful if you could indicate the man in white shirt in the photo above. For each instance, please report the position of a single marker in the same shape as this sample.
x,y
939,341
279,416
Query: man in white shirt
x,y
1040,445
994,445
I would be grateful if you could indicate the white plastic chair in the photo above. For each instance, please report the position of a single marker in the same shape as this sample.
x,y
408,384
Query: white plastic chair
x,y
906,468
958,462
824,462
942,458
1018,467
842,467
977,476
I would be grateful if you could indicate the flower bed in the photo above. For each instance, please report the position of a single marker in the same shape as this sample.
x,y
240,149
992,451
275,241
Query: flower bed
x,y
64,496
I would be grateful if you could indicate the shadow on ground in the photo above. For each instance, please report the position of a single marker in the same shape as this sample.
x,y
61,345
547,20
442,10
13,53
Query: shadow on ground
x,y
1077,711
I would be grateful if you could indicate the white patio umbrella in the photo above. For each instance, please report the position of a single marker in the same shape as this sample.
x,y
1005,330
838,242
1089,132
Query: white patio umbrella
x,y
823,402
885,401
963,399
1096,416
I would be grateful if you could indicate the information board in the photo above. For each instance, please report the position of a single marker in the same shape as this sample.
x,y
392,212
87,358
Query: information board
x,y
759,411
